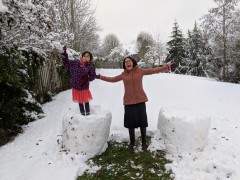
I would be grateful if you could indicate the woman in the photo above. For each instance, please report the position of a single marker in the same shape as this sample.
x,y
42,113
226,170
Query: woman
x,y
134,96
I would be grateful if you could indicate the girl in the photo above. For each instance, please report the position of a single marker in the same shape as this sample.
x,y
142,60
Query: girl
x,y
134,96
82,71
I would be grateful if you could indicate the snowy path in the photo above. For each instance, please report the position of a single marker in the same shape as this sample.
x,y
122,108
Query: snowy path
x,y
35,153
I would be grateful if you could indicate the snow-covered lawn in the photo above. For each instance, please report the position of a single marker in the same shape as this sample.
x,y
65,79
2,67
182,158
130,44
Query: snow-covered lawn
x,y
37,153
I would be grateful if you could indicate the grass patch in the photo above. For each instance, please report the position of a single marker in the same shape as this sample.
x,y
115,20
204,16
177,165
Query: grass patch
x,y
117,162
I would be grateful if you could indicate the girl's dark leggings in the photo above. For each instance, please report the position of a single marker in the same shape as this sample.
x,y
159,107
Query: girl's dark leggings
x,y
86,106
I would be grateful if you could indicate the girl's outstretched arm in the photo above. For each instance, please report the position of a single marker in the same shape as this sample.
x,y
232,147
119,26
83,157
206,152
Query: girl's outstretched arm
x,y
109,79
65,57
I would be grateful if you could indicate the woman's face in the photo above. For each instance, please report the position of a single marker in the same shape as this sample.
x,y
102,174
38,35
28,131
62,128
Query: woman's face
x,y
128,64
86,57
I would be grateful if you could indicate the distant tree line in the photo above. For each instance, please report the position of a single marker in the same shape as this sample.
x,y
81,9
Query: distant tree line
x,y
211,49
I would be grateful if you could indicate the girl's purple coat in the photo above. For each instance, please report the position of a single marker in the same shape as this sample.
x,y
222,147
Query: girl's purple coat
x,y
81,74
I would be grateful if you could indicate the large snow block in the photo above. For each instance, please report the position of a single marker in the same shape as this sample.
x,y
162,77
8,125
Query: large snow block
x,y
86,135
183,130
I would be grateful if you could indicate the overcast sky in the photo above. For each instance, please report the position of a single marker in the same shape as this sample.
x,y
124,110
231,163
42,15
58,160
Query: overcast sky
x,y
127,18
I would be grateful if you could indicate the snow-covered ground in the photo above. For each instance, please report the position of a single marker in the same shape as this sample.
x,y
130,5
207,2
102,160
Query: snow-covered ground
x,y
37,154
3,8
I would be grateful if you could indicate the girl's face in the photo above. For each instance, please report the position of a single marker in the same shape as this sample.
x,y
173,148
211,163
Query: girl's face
x,y
128,64
86,57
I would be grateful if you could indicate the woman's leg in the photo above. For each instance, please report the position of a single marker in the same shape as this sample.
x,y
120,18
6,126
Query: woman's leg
x,y
82,109
87,108
144,138
132,138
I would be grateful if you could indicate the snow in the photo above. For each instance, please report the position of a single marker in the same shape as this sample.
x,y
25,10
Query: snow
x,y
3,9
38,153
78,138
130,48
183,130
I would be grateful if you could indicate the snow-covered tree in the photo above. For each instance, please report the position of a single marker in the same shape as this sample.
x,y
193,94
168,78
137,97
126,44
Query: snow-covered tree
x,y
110,42
198,53
27,40
32,32
234,50
77,18
143,43
116,54
17,106
156,53
175,46
29,25
218,25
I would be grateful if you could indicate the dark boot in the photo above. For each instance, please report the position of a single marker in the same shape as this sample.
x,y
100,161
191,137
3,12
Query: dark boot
x,y
144,139
87,108
132,138
82,111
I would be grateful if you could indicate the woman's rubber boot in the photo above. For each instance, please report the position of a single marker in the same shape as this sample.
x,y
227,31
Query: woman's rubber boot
x,y
132,138
144,139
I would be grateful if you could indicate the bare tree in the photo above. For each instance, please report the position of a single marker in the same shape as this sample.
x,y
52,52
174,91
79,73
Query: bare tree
x,y
218,25
144,42
78,18
110,42
160,47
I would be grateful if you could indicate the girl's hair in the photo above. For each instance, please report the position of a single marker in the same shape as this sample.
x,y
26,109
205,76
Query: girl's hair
x,y
90,54
132,59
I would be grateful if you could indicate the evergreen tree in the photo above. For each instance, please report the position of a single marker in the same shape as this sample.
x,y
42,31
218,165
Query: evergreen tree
x,y
234,49
17,107
175,47
235,76
198,53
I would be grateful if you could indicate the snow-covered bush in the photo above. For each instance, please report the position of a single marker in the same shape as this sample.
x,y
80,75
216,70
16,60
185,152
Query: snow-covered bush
x,y
17,106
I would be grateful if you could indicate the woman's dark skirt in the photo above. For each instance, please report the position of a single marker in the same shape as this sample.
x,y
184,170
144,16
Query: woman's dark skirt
x,y
135,116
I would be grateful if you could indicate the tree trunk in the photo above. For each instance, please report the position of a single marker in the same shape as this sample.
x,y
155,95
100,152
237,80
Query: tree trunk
x,y
224,43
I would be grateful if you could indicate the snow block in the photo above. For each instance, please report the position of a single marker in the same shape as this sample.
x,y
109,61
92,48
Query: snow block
x,y
183,130
86,135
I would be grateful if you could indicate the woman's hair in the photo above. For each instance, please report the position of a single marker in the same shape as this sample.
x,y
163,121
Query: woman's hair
x,y
90,54
132,59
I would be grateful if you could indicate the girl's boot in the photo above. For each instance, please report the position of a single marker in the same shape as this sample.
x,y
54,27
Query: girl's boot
x,y
87,108
82,111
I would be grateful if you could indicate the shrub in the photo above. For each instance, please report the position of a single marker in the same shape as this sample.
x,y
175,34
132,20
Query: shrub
x,y
17,106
